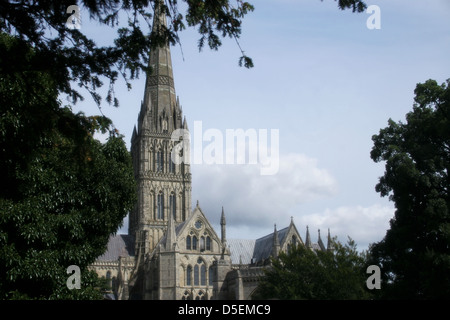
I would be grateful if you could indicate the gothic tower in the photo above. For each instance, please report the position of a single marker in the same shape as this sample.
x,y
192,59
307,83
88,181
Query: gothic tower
x,y
164,186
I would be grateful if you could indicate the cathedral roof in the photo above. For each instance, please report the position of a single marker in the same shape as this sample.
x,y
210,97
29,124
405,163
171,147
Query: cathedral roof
x,y
263,246
250,251
121,245
241,250
246,251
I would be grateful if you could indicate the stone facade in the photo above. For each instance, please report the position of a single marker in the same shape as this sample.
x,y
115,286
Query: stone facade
x,y
172,251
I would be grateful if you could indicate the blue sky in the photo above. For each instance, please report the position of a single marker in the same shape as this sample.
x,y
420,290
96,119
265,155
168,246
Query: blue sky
x,y
327,83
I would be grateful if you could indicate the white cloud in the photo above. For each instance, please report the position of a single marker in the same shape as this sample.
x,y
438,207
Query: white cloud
x,y
365,225
257,201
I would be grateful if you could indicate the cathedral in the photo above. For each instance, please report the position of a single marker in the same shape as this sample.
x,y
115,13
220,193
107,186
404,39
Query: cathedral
x,y
171,250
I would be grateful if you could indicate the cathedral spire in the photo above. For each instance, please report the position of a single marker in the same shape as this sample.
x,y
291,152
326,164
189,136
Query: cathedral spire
x,y
308,242
160,102
320,242
329,241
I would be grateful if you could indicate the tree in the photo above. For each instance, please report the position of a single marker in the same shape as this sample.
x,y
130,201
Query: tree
x,y
414,255
62,193
72,57
302,273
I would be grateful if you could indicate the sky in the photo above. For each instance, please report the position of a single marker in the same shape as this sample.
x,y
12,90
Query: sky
x,y
326,83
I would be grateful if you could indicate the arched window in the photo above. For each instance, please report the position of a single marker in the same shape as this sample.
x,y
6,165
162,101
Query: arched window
x,y
211,275
113,283
108,279
186,296
196,275
171,165
294,240
202,244
201,296
159,161
173,206
203,275
160,207
194,243
188,243
208,243
189,276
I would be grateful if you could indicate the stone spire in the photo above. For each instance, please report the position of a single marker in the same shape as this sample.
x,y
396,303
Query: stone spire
x,y
308,242
320,242
223,228
160,106
329,241
276,242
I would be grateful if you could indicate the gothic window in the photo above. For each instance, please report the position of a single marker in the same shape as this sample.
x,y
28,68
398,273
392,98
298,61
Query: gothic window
x,y
196,275
159,161
194,243
173,206
183,213
171,166
113,283
203,275
211,275
294,240
189,276
186,296
108,279
188,243
160,207
201,296
202,244
208,243
200,273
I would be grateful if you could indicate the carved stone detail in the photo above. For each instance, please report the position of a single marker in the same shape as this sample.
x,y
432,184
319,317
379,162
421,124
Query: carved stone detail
x,y
159,79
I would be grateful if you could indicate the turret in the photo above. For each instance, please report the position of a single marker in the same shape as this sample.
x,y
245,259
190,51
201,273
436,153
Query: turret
x,y
320,242
276,242
223,223
329,241
308,242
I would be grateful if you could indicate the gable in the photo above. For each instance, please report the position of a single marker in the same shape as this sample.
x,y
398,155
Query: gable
x,y
195,225
197,222
290,237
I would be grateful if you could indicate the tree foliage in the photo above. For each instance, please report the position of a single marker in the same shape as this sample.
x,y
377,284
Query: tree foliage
x,y
414,256
62,193
302,273
72,57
